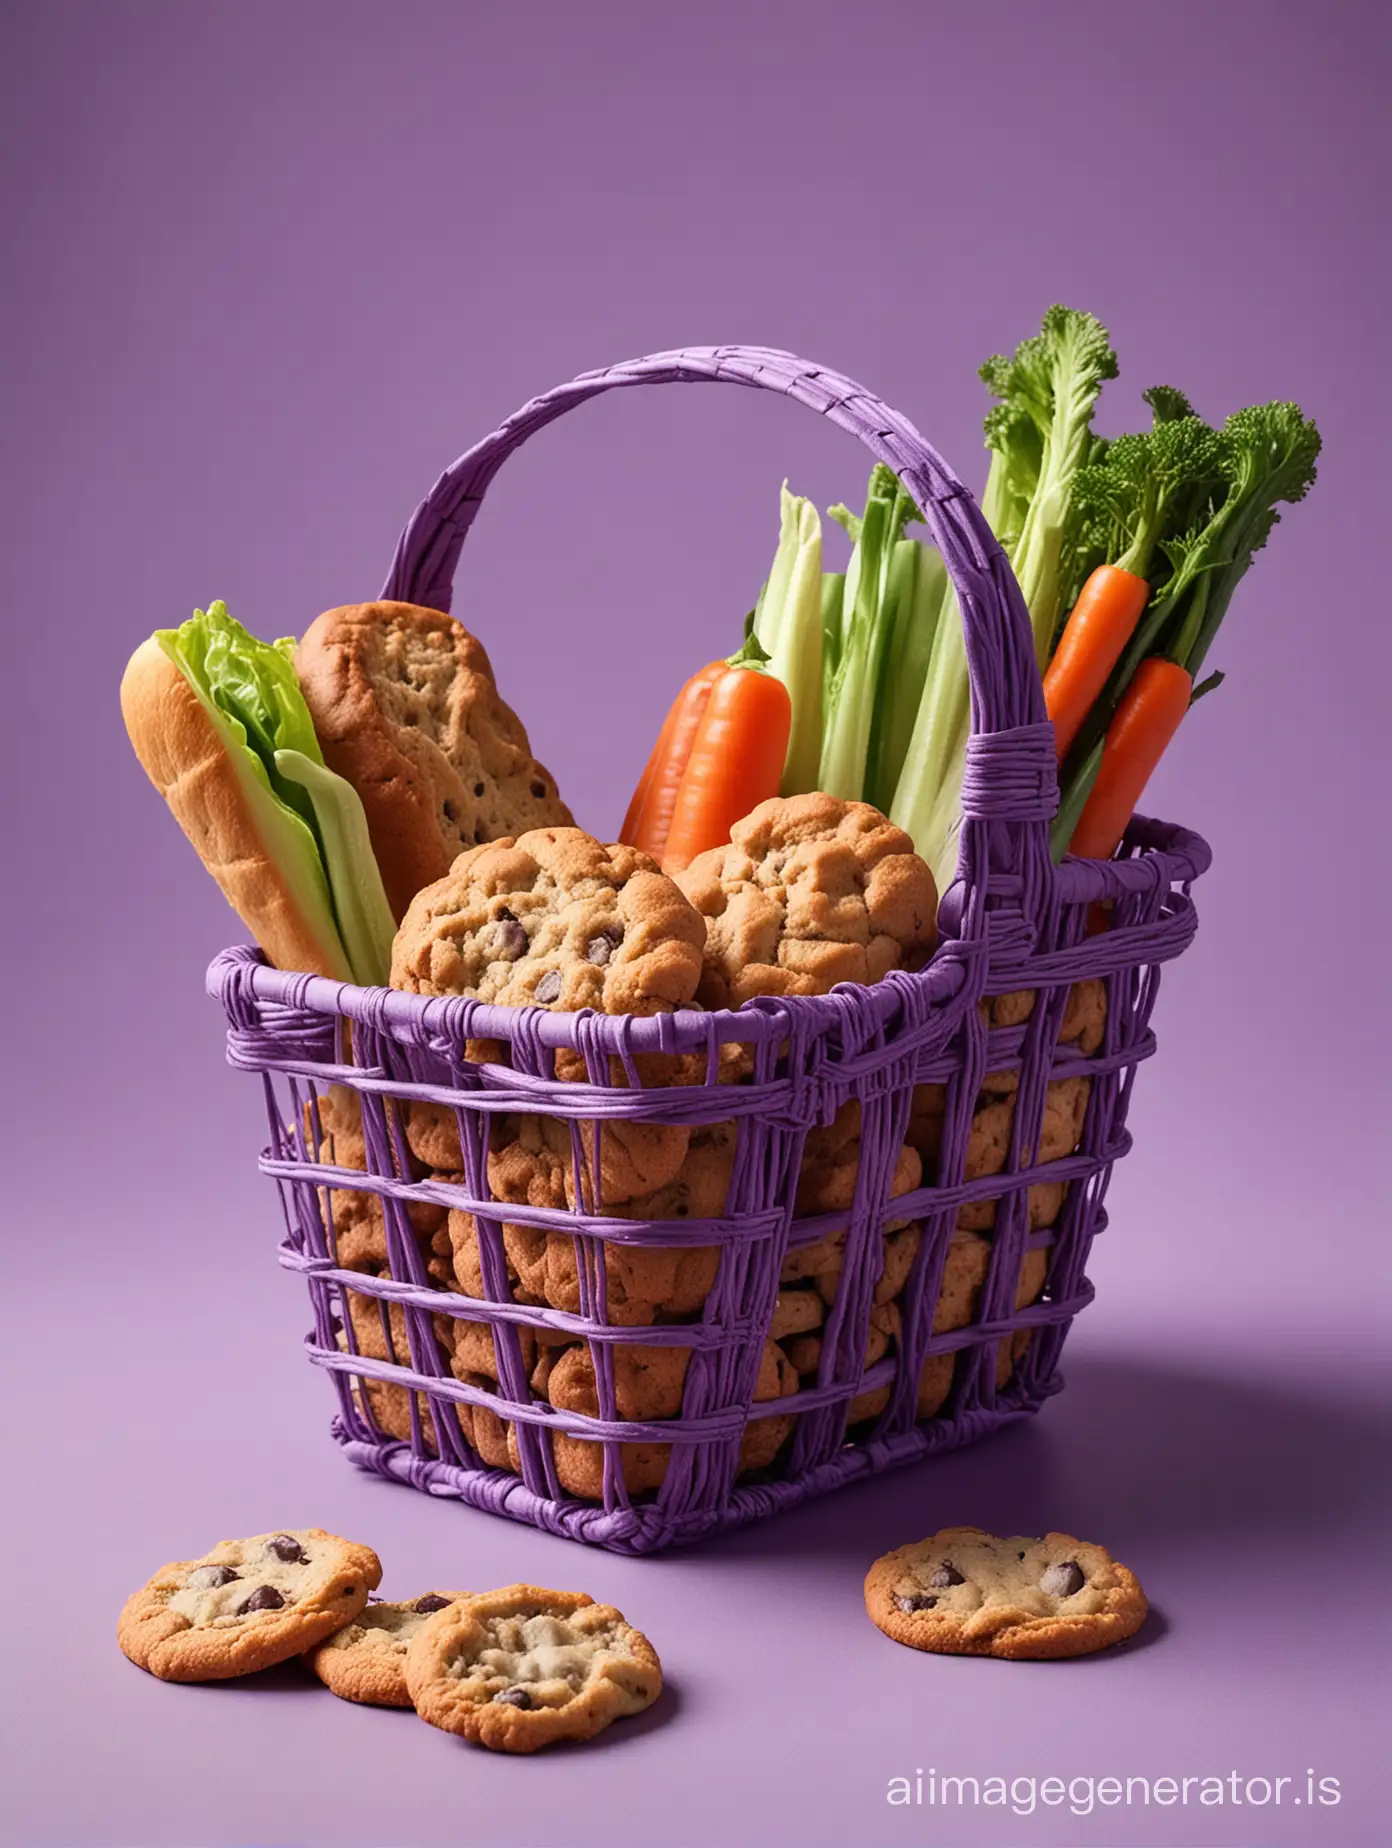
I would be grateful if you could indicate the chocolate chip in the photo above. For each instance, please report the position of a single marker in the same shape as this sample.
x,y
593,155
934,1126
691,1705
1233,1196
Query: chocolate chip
x,y
599,949
432,1602
538,790
512,940
478,789
914,1601
514,1697
1062,1580
549,987
946,1574
451,809
286,1547
506,914
264,1598
208,1578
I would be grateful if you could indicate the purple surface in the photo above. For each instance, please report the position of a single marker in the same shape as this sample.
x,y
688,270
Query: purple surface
x,y
274,266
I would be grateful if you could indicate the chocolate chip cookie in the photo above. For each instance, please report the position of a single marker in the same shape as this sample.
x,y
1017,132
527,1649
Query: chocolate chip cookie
x,y
406,707
811,891
553,919
522,1668
246,1605
965,1592
366,1660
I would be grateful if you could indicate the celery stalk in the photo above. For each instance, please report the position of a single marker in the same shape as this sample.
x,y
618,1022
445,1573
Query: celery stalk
x,y
833,599
788,623
866,628
915,593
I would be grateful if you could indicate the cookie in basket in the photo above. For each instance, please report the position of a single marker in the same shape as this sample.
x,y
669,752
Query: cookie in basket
x,y
804,1353
811,891
406,707
523,1668
964,1274
643,1283
826,1184
557,919
366,1660
647,1389
246,1605
966,1592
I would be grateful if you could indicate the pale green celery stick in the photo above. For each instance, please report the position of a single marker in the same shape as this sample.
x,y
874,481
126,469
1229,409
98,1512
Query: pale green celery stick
x,y
916,588
833,598
788,623
846,735
937,743
928,792
365,920
242,685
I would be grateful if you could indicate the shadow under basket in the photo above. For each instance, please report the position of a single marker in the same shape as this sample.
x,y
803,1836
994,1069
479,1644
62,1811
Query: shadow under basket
x,y
637,1281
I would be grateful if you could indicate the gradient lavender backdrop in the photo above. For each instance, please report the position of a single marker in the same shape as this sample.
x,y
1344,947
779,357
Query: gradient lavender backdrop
x,y
271,267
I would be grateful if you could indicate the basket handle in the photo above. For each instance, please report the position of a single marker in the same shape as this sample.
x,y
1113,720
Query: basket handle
x,y
1010,788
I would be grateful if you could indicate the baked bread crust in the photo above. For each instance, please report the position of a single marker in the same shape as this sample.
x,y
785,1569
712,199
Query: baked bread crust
x,y
407,709
186,760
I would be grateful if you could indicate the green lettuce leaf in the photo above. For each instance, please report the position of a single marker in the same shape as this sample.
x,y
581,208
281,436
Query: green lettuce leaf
x,y
365,920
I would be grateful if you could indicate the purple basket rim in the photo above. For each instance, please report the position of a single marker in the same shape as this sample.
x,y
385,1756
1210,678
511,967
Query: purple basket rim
x,y
1166,854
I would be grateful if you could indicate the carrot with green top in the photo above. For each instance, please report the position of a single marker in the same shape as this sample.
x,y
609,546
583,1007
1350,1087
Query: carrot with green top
x,y
736,759
1103,621
650,812
1147,718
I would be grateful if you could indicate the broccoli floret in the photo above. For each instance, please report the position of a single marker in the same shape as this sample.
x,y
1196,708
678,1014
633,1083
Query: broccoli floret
x,y
1266,455
1167,403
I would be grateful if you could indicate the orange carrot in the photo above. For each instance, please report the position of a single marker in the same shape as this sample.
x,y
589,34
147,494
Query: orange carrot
x,y
1145,721
1102,623
650,812
736,758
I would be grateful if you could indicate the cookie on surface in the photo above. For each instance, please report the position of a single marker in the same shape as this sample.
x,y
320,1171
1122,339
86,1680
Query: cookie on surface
x,y
246,1605
810,891
966,1592
366,1660
523,1667
553,918
406,707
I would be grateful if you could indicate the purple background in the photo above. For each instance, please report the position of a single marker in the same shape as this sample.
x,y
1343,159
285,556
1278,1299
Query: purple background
x,y
270,268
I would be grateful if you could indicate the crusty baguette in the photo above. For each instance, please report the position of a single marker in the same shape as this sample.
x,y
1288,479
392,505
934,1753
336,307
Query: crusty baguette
x,y
189,765
407,710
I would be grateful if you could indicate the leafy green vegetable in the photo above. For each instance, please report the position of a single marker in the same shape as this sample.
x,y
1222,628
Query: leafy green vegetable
x,y
1040,438
1263,455
311,821
1042,433
865,628
1143,493
788,622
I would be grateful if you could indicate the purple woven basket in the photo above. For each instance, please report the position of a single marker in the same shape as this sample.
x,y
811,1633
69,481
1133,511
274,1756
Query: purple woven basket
x,y
980,1031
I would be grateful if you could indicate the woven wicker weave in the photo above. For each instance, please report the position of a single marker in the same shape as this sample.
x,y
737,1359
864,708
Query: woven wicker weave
x,y
1015,927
